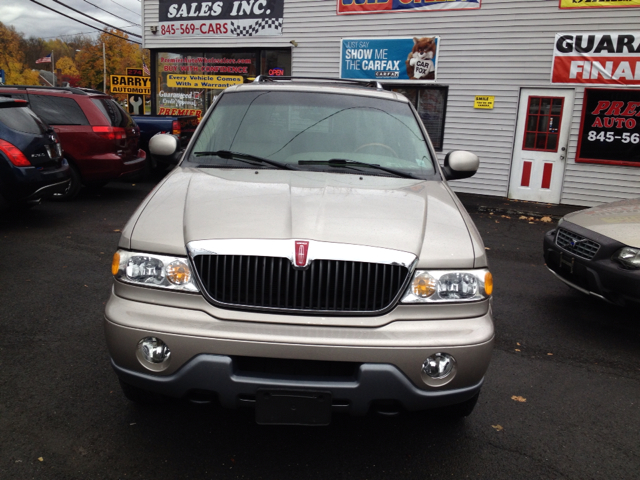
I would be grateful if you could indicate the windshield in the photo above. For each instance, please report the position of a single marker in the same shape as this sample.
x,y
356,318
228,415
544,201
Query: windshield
x,y
305,130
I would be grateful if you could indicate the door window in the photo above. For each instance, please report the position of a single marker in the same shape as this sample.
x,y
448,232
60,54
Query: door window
x,y
542,127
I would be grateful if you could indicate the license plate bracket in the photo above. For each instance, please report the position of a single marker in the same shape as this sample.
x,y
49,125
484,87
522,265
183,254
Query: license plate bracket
x,y
566,262
293,407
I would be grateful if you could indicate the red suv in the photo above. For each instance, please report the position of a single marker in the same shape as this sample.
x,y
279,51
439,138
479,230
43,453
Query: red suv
x,y
99,139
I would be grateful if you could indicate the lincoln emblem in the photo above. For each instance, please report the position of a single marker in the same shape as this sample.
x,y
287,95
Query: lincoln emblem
x,y
302,248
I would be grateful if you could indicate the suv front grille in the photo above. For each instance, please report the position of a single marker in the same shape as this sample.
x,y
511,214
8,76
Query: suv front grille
x,y
272,283
577,244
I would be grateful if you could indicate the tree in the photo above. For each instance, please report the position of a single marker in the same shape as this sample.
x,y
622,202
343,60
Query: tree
x,y
12,58
67,67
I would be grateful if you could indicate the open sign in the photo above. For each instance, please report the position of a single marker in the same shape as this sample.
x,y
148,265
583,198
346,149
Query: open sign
x,y
276,72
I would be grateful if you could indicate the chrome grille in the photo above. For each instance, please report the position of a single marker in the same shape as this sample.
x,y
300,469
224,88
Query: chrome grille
x,y
272,283
577,244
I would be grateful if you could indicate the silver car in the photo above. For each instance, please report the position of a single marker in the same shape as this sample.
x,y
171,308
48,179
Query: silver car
x,y
306,257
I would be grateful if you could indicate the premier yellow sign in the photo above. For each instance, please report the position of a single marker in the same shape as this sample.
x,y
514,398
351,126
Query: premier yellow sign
x,y
203,81
598,3
484,101
130,84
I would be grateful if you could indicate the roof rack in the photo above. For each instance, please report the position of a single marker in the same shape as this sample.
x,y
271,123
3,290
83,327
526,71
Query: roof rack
x,y
362,83
41,87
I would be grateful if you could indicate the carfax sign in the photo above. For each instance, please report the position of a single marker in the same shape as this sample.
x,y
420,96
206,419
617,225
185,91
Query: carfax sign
x,y
390,59
349,7
237,18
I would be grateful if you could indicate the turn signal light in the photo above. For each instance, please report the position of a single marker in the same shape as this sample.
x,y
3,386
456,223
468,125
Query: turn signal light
x,y
115,264
488,283
14,154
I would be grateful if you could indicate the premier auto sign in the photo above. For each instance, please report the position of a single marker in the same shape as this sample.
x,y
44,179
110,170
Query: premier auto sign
x,y
597,58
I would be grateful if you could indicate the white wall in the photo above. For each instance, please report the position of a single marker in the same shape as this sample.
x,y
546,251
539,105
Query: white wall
x,y
506,45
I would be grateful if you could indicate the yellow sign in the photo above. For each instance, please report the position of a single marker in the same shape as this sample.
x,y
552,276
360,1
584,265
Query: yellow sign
x,y
203,81
130,84
598,3
484,101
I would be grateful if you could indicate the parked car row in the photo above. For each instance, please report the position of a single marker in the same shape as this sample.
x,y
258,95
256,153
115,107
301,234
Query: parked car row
x,y
99,140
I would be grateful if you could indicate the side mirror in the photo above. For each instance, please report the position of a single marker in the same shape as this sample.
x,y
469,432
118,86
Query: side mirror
x,y
460,164
165,148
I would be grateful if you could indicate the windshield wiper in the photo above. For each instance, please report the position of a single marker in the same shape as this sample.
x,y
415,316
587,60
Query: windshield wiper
x,y
341,162
228,154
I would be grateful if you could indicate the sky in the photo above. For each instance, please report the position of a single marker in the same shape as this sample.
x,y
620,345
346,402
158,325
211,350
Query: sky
x,y
34,20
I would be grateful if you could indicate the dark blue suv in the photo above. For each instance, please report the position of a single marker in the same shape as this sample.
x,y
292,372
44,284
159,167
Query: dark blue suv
x,y
32,166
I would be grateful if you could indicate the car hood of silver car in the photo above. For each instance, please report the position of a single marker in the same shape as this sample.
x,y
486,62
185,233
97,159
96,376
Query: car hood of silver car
x,y
421,217
618,220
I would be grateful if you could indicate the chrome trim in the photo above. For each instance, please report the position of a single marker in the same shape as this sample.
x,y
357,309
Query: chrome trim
x,y
580,289
317,251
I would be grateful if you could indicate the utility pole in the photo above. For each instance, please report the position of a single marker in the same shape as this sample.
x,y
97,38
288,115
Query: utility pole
x,y
104,63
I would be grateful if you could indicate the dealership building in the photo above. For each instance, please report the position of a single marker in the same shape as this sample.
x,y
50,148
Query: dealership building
x,y
545,92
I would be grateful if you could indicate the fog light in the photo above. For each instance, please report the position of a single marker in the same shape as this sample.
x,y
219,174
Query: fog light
x,y
439,365
154,350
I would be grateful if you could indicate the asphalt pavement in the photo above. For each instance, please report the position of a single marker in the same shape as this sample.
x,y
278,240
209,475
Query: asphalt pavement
x,y
560,400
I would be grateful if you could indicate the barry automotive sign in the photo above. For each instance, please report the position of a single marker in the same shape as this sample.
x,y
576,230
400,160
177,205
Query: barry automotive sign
x,y
130,84
237,18
382,6
597,58
610,127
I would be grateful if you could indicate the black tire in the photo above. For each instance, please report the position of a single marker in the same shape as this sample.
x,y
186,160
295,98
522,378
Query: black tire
x,y
73,188
459,410
97,185
140,396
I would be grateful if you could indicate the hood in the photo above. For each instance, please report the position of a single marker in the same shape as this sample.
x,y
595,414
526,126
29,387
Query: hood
x,y
415,216
618,220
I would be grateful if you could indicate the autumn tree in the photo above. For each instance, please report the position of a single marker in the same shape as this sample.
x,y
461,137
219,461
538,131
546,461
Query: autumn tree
x,y
67,66
12,58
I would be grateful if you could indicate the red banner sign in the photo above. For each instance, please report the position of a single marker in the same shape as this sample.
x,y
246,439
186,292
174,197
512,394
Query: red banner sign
x,y
597,59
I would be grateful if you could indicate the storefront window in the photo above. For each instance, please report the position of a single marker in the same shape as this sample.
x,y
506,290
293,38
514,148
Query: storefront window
x,y
431,103
175,91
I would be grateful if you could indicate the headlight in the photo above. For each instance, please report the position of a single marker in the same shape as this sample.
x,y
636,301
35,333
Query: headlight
x,y
153,270
628,257
438,286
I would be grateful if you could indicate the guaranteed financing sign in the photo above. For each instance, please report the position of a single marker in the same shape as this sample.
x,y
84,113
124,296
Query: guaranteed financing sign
x,y
390,59
347,7
597,58
235,18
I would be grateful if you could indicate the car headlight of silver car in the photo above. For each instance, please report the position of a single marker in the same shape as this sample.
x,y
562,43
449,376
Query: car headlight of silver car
x,y
151,270
629,257
440,286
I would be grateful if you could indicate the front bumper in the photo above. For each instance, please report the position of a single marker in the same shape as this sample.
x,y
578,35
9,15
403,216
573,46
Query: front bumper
x,y
600,276
206,353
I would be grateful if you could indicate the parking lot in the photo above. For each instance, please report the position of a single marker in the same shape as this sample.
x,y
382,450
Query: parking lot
x,y
560,399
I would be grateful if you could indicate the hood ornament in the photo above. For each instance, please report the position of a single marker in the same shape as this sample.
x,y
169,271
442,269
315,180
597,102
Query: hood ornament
x,y
301,253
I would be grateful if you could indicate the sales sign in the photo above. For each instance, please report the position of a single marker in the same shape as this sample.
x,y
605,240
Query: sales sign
x,y
598,3
349,7
597,58
130,84
610,127
390,59
236,18
203,81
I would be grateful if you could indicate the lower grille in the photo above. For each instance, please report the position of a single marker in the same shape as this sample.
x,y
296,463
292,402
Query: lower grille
x,y
327,286
577,244
293,368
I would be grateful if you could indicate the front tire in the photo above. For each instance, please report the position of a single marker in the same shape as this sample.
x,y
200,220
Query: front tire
x,y
139,396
